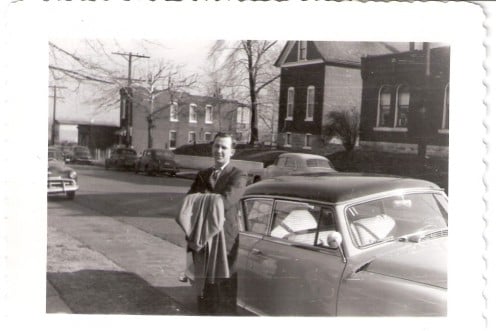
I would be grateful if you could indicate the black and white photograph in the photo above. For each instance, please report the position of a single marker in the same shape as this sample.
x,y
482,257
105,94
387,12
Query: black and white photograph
x,y
212,163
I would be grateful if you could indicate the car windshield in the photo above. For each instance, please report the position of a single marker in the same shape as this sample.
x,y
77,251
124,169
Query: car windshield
x,y
318,163
395,217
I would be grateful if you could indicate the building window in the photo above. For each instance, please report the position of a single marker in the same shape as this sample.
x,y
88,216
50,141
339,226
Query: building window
x,y
310,103
290,104
302,50
287,139
308,141
192,137
445,123
174,112
384,107
208,114
402,105
172,139
208,136
242,115
193,114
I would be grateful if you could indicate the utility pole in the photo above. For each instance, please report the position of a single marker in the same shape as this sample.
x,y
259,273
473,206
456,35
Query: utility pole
x,y
128,104
55,97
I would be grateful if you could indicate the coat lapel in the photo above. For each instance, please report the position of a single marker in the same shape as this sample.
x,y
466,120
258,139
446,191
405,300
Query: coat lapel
x,y
223,177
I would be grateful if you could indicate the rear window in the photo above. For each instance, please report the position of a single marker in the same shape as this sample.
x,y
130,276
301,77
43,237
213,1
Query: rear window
x,y
318,163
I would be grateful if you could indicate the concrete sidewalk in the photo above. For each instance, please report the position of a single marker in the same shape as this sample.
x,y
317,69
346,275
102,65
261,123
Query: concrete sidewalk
x,y
92,253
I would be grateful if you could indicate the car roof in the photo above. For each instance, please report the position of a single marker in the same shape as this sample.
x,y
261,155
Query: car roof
x,y
304,156
335,187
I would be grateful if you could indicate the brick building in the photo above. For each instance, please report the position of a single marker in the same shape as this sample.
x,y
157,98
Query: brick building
x,y
318,77
186,119
395,87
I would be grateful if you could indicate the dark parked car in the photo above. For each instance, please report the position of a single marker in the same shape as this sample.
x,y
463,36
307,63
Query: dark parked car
x,y
155,161
122,158
61,178
343,245
81,155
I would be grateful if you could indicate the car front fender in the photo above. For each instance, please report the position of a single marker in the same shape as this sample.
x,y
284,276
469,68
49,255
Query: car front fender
x,y
371,294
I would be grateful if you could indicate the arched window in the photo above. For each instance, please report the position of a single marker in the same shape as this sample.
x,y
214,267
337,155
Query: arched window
x,y
402,106
445,123
310,103
384,107
290,104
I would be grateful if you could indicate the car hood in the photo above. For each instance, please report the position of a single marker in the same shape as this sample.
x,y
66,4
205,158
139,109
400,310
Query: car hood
x,y
57,168
424,262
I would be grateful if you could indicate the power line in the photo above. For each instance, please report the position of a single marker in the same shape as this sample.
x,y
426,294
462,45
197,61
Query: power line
x,y
128,104
55,97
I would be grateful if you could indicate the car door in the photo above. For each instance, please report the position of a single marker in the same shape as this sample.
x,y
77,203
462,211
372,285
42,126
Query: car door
x,y
293,270
254,225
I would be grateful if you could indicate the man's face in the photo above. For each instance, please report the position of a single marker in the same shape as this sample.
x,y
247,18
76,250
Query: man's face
x,y
222,150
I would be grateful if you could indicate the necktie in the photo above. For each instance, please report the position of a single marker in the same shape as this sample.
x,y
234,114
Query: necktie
x,y
215,175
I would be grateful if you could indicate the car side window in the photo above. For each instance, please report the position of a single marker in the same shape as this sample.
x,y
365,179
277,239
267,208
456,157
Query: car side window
x,y
290,163
257,215
327,223
295,221
281,162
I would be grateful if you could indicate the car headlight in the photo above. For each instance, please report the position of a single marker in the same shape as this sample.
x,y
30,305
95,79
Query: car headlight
x,y
73,174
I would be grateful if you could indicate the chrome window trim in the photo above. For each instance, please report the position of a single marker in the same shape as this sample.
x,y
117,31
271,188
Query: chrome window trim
x,y
349,247
285,242
375,197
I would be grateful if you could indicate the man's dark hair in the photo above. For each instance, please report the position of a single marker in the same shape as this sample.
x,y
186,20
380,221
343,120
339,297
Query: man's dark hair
x,y
225,135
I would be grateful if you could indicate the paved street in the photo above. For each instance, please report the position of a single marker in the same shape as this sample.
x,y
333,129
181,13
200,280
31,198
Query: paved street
x,y
116,248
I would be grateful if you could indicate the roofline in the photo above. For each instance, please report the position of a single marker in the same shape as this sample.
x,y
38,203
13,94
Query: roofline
x,y
420,51
284,53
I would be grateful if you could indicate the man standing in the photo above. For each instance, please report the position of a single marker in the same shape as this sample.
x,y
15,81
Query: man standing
x,y
228,181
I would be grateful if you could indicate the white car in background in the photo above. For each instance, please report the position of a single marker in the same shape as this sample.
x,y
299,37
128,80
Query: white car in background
x,y
61,178
292,164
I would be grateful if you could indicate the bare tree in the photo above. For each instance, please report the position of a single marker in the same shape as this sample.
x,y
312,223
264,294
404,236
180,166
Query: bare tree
x,y
108,72
163,78
247,66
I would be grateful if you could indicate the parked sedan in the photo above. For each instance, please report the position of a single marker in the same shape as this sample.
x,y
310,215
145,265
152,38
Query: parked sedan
x,y
61,179
81,155
343,245
122,158
292,164
155,161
